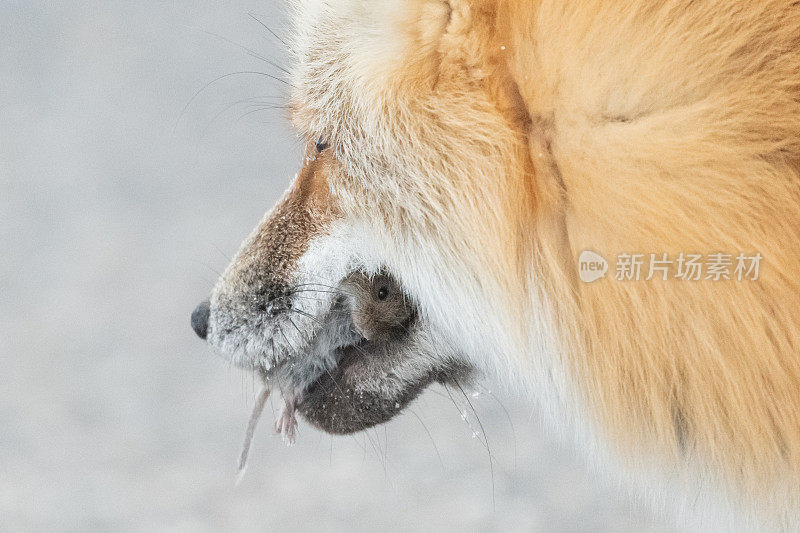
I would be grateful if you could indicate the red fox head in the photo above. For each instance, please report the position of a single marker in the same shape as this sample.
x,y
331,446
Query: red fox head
x,y
289,305
416,166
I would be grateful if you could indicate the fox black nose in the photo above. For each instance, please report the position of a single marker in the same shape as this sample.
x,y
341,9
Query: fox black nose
x,y
200,319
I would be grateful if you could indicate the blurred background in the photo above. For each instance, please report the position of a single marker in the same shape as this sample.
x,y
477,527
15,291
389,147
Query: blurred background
x,y
138,147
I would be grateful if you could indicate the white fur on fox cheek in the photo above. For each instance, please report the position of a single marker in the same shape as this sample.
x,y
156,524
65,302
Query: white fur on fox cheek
x,y
330,258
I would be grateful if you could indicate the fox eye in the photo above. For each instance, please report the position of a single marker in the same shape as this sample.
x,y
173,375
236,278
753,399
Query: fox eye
x,y
321,144
383,292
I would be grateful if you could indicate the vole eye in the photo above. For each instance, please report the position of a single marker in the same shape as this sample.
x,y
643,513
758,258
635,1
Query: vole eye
x,y
383,292
321,144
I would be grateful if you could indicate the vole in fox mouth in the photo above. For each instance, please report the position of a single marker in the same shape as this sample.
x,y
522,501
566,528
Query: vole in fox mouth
x,y
370,312
374,379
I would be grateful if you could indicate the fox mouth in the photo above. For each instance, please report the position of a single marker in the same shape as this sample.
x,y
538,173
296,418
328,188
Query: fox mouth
x,y
318,354
367,382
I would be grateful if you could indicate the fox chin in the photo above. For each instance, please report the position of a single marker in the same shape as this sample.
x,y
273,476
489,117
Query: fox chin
x,y
474,151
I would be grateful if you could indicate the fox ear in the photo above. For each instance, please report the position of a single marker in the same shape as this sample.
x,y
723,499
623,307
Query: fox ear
x,y
414,31
421,28
431,19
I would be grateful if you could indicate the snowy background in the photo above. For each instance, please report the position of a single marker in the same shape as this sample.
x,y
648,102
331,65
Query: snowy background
x,y
121,196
